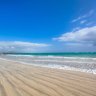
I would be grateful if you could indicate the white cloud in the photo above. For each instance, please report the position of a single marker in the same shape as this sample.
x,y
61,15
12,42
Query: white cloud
x,y
85,35
84,16
19,46
76,19
77,28
83,21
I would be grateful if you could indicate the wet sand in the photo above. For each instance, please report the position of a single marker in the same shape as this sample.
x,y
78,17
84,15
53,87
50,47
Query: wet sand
x,y
26,80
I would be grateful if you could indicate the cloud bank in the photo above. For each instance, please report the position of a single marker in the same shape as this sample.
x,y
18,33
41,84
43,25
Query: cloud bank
x,y
19,46
82,36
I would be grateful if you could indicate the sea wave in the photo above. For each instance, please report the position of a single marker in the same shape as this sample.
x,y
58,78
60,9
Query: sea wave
x,y
60,62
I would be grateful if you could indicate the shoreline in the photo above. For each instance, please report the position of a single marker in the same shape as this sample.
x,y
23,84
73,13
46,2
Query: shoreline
x,y
26,80
53,66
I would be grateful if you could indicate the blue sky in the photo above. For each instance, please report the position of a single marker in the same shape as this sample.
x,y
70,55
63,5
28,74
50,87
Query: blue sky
x,y
48,25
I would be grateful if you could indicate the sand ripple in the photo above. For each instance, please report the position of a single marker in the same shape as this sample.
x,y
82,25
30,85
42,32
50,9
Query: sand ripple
x,y
26,80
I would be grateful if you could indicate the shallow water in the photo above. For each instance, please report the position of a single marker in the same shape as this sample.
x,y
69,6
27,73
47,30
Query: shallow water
x,y
84,64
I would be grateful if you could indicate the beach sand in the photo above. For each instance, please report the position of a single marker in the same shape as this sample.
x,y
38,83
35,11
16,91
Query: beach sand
x,y
26,80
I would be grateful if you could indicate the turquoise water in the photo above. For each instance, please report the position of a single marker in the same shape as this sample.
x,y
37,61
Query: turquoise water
x,y
84,62
79,54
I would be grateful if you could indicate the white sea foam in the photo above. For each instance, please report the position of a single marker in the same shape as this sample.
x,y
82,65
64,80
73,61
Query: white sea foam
x,y
87,65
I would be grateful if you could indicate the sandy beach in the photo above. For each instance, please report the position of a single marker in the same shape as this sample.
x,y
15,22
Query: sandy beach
x,y
26,80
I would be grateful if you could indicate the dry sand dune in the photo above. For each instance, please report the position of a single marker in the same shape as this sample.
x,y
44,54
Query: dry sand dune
x,y
26,80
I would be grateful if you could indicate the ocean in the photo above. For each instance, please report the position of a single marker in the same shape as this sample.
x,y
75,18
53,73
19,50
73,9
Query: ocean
x,y
81,61
66,54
